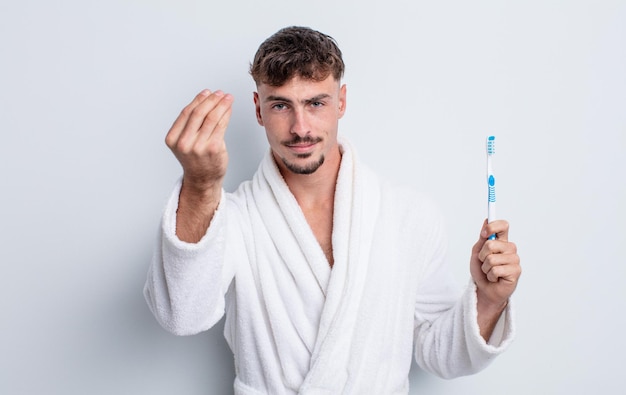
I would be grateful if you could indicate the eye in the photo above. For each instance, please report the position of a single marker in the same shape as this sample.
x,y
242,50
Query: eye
x,y
279,106
317,104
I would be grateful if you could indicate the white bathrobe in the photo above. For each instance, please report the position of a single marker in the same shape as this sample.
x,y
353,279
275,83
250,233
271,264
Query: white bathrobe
x,y
297,327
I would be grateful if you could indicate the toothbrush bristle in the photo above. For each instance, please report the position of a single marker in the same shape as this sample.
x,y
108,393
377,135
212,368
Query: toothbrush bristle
x,y
491,145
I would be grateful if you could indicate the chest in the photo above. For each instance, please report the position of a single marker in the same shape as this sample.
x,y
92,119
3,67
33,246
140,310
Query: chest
x,y
321,222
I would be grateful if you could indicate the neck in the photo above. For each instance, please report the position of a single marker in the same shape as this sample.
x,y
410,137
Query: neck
x,y
318,188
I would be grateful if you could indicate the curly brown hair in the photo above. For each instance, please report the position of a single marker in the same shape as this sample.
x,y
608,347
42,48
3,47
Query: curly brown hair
x,y
296,52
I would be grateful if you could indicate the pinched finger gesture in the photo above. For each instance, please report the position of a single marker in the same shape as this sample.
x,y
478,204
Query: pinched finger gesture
x,y
197,139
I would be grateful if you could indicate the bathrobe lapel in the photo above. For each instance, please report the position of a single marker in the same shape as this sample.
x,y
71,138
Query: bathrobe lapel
x,y
290,270
357,200
311,309
284,219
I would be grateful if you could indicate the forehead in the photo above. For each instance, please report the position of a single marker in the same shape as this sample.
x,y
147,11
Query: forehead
x,y
297,89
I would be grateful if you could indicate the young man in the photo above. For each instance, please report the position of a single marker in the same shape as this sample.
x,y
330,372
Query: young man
x,y
328,277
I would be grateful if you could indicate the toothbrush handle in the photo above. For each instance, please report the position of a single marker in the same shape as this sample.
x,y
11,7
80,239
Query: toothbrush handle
x,y
491,202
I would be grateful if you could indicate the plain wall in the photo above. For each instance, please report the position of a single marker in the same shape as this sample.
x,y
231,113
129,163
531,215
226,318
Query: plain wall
x,y
88,90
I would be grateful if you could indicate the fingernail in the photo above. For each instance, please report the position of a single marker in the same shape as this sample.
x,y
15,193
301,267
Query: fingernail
x,y
219,93
205,92
483,233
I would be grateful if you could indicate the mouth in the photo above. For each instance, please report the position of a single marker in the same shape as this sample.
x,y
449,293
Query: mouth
x,y
302,146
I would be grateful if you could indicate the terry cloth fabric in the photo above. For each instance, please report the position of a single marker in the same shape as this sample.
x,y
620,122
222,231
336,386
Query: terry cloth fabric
x,y
295,325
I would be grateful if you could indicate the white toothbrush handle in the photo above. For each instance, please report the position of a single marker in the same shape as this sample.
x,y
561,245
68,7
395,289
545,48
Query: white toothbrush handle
x,y
491,201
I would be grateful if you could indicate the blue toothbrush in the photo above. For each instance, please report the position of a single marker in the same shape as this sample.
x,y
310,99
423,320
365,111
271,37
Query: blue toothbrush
x,y
491,182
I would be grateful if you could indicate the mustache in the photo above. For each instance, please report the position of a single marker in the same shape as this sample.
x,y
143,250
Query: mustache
x,y
302,140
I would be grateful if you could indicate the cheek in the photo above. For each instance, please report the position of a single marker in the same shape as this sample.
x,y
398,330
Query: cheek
x,y
328,123
274,127
275,122
269,125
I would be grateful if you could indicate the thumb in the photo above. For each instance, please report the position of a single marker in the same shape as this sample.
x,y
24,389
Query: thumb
x,y
482,238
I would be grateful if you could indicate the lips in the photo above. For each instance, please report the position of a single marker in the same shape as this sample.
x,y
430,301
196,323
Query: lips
x,y
302,145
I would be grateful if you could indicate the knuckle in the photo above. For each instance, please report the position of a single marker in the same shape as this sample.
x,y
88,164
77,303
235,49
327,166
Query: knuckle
x,y
195,112
170,140
222,123
215,147
212,118
496,272
182,146
187,111
194,151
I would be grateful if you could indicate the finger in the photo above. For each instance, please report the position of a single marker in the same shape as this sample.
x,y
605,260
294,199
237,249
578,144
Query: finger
x,y
481,240
494,260
496,247
506,272
179,124
220,129
216,122
200,112
499,227
191,132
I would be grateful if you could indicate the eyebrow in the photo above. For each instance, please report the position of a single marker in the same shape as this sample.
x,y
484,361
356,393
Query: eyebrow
x,y
319,97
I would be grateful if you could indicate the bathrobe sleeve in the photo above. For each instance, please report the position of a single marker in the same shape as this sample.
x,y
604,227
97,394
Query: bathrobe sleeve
x,y
187,282
447,337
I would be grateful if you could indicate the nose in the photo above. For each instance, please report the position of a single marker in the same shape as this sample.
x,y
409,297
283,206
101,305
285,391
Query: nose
x,y
300,125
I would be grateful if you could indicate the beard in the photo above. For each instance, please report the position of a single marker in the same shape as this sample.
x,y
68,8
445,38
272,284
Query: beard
x,y
309,168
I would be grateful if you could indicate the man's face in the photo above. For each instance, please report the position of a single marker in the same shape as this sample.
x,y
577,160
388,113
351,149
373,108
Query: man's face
x,y
301,119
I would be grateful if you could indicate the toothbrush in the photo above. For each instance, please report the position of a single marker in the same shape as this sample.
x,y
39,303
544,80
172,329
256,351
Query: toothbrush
x,y
491,182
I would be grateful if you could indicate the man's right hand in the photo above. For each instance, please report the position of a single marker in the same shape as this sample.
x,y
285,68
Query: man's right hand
x,y
197,140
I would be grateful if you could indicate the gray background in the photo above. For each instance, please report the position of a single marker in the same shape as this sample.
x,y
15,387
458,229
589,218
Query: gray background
x,y
88,90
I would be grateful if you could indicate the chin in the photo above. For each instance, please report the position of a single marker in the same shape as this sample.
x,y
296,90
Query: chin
x,y
305,168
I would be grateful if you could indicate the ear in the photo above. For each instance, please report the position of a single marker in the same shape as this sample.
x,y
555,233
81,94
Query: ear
x,y
342,100
257,105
